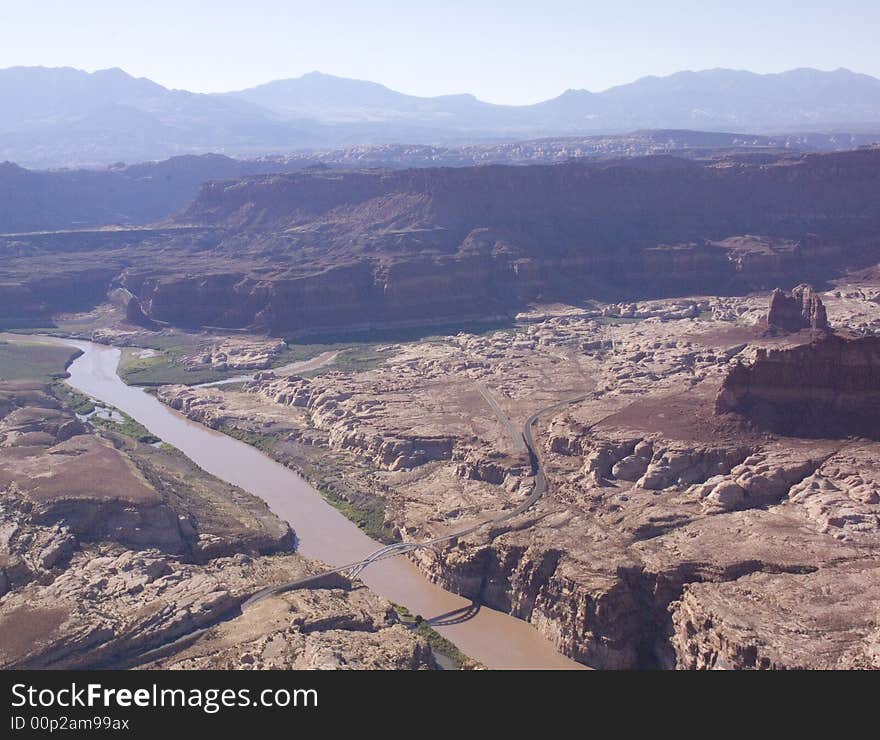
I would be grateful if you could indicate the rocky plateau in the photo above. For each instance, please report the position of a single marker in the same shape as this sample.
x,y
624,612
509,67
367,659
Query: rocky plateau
x,y
323,251
112,549
673,535
707,421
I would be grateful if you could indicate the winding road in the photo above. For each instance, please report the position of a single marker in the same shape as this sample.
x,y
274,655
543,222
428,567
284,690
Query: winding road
x,y
353,570
492,637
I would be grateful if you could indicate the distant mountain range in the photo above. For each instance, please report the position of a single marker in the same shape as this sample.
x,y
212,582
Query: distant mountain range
x,y
62,116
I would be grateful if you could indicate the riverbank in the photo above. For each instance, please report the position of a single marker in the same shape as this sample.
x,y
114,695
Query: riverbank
x,y
113,546
490,637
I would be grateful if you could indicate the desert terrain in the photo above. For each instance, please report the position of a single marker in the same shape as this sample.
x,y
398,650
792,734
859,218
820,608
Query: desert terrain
x,y
114,545
675,533
706,421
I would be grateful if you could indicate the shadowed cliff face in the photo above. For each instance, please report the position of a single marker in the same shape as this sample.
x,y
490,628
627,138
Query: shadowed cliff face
x,y
830,387
311,251
562,208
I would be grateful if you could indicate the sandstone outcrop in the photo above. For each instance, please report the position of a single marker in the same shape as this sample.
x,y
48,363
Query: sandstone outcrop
x,y
131,308
803,309
829,387
661,514
63,485
237,353
59,475
325,629
842,495
760,621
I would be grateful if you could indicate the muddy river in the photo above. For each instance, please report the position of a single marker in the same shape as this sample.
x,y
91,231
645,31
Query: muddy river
x,y
495,639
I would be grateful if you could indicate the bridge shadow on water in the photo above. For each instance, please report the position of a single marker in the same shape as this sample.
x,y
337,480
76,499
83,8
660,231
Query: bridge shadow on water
x,y
457,616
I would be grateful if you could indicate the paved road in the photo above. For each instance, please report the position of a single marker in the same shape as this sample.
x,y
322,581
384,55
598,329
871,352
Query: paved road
x,y
325,358
352,570
516,436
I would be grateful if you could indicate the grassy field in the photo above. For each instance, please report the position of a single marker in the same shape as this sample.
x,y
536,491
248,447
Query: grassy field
x,y
615,320
165,368
352,359
351,356
31,361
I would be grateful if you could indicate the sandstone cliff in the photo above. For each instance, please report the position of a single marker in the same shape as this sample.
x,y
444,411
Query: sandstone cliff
x,y
829,387
318,250
802,310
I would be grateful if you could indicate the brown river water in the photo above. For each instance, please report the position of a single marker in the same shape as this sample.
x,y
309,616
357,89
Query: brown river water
x,y
495,639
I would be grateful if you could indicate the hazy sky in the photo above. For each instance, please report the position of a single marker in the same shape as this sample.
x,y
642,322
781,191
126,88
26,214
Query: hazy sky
x,y
505,52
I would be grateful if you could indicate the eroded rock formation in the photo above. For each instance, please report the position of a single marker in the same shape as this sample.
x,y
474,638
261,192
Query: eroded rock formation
x,y
110,547
803,309
318,251
829,387
746,624
661,516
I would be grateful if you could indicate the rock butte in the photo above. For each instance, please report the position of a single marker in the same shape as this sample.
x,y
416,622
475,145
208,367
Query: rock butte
x,y
802,310
829,387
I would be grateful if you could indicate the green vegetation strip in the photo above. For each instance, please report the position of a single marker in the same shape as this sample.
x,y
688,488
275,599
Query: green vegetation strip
x,y
77,402
438,643
370,519
167,368
263,442
616,320
128,427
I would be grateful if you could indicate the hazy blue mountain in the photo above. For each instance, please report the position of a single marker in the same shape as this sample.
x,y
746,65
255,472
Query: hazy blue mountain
x,y
65,116
711,99
725,99
341,100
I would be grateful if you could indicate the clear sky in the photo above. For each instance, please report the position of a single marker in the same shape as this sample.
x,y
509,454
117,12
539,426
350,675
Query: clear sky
x,y
505,52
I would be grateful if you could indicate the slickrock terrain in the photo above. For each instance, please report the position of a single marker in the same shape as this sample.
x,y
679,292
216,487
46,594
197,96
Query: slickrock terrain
x,y
324,629
672,535
768,621
110,547
235,353
110,605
